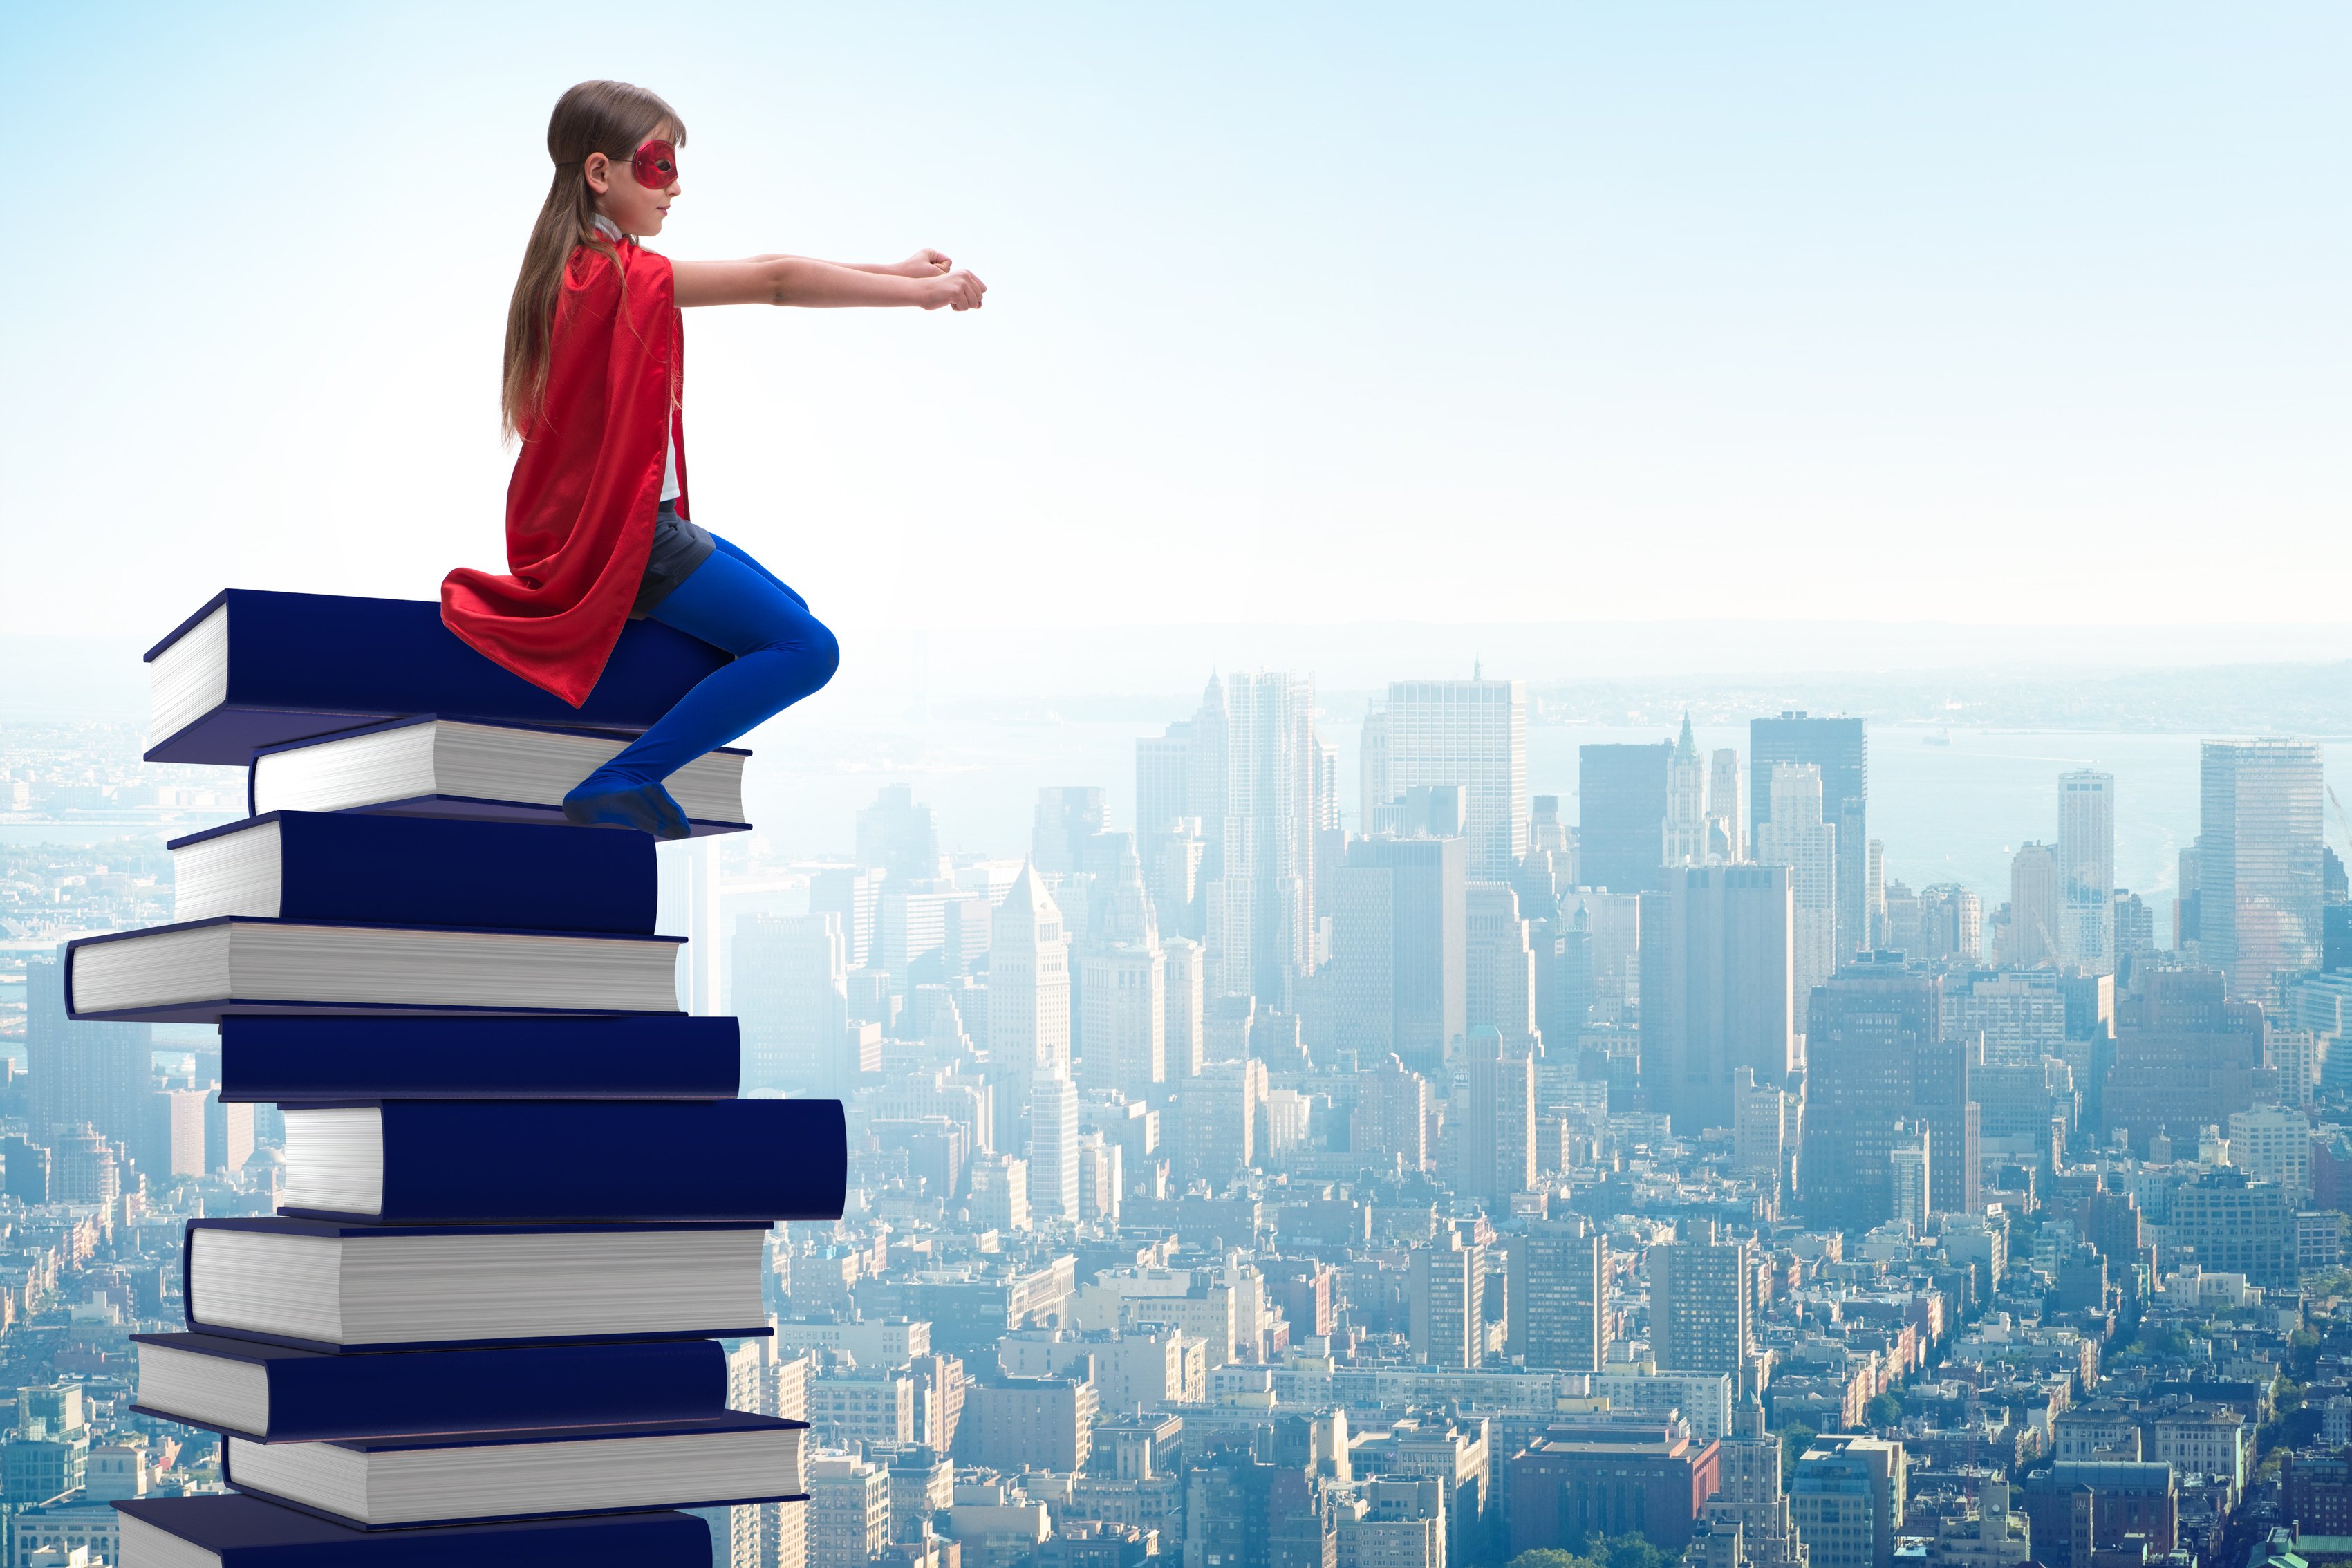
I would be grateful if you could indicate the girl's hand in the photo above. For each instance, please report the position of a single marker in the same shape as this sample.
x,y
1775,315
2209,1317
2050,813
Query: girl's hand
x,y
957,291
925,263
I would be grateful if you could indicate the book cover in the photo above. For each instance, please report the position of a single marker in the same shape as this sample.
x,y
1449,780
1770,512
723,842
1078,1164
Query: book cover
x,y
295,1058
244,1532
313,1397
254,668
478,1162
337,867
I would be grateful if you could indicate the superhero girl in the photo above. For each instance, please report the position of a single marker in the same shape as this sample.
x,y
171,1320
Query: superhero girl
x,y
599,531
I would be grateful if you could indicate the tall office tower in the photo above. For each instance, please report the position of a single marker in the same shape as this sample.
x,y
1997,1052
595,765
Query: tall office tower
x,y
1874,894
1716,982
1686,831
97,1073
1950,924
1498,967
2184,905
1474,734
1052,1150
1727,824
1547,832
1399,959
1748,1491
1162,778
1445,1302
2134,929
1847,1499
1909,1177
2260,895
2036,902
2187,1056
1621,816
790,991
1878,1057
1703,1304
1068,819
1028,990
896,837
1124,992
1841,749
1261,894
1217,1130
1796,837
1763,1132
1556,1306
1496,1145
1389,1128
2086,871
1612,924
1373,787
1186,975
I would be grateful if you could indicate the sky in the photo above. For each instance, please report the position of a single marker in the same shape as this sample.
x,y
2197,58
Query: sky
x,y
1996,315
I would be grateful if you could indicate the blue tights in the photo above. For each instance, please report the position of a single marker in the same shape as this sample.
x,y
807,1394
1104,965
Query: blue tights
x,y
782,654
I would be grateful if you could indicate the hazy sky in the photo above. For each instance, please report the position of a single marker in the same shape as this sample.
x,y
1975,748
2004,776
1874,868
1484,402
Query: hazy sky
x,y
1996,312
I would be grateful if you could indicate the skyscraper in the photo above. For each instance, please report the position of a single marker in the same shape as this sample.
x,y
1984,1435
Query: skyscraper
x,y
1473,734
1556,1274
789,979
1840,747
1796,836
896,837
1028,990
1703,1302
1499,967
1162,790
1727,824
1686,817
1261,892
1876,1062
1399,959
1068,818
1389,1129
2086,869
2259,896
1496,1142
98,1073
1621,815
2036,904
1052,1150
1374,787
1124,989
1715,989
1445,1302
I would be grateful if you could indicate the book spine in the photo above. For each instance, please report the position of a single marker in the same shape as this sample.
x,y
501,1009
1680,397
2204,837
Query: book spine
x,y
400,1396
296,1059
415,871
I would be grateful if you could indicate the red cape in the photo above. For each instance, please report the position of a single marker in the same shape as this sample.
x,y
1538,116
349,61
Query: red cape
x,y
580,508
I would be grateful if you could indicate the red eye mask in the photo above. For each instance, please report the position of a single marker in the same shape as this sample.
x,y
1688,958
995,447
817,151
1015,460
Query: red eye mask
x,y
655,165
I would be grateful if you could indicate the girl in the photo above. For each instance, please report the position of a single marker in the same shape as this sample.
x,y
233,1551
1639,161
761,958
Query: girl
x,y
599,531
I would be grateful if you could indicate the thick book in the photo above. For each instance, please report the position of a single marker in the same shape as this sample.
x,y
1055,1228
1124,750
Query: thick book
x,y
230,1530
428,1162
197,970
321,1286
406,870
295,1058
253,669
433,766
381,1483
275,1394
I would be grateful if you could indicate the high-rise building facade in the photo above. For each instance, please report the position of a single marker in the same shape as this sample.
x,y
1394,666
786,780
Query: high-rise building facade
x,y
788,983
2086,869
1445,1289
1797,837
1840,748
1687,835
1375,781
1261,892
2036,907
1052,1150
1496,1142
1556,1274
1727,825
97,1073
1621,816
1876,1061
1703,1304
2260,895
1473,734
1399,978
1716,987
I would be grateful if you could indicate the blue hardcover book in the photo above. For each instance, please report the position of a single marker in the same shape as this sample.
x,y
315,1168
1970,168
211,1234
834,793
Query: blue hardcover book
x,y
399,1483
275,1394
293,1059
198,971
404,870
254,668
228,1529
316,1285
448,1162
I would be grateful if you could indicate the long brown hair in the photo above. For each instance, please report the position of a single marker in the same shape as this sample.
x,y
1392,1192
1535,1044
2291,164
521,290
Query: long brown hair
x,y
609,117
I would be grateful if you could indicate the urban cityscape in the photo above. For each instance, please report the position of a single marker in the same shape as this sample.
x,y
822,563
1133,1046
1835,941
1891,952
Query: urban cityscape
x,y
1620,1169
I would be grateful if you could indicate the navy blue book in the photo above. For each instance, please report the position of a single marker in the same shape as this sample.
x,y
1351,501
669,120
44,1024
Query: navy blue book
x,y
408,871
254,668
293,1059
227,1529
316,1285
198,971
452,1162
477,1478
274,1394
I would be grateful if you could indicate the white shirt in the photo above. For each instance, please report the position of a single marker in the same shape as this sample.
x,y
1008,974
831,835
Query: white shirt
x,y
670,490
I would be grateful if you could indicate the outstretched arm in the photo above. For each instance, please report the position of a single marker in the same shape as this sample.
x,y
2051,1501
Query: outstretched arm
x,y
923,280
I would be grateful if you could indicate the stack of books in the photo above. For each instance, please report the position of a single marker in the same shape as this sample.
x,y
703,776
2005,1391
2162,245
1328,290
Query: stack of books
x,y
522,1203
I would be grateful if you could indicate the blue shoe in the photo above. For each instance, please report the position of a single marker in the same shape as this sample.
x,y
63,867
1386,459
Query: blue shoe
x,y
647,807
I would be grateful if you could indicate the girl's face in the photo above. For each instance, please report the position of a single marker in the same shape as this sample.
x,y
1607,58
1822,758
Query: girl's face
x,y
637,208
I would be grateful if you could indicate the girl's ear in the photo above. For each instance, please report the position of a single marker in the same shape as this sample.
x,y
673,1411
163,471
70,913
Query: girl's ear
x,y
598,168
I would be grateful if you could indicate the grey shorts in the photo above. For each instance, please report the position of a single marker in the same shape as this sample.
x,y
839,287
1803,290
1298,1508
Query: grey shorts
x,y
679,548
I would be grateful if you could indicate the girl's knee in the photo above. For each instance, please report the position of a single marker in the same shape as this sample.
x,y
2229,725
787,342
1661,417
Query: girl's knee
x,y
824,652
